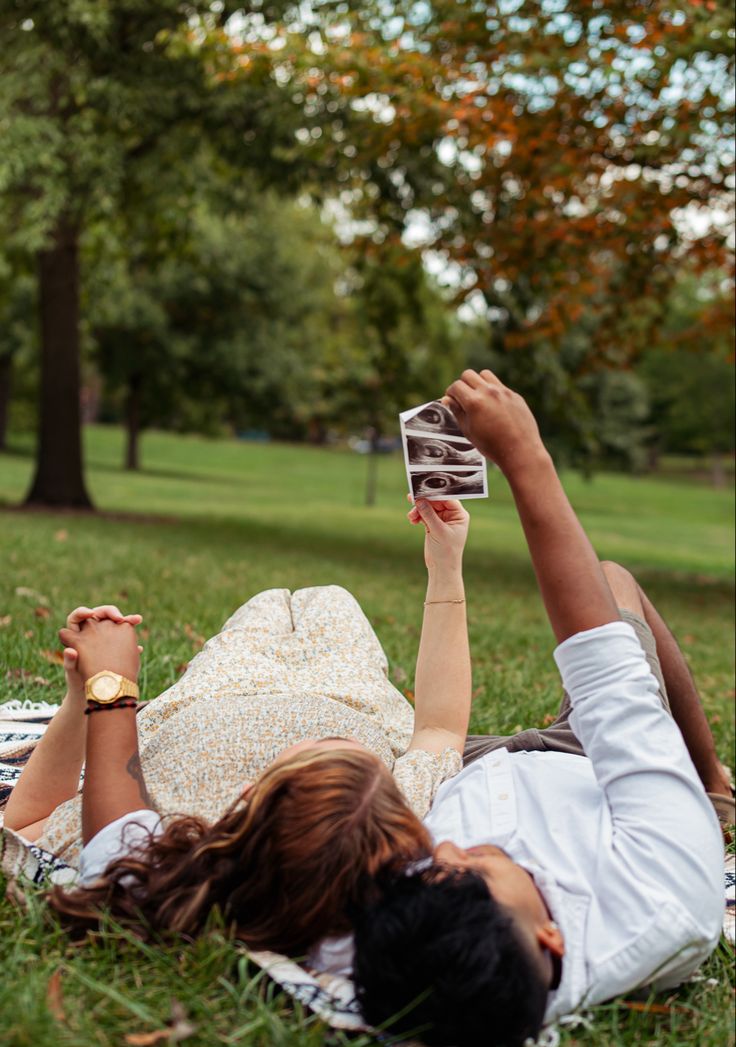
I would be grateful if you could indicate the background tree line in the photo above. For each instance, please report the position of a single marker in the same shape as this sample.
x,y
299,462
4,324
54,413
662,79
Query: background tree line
x,y
222,216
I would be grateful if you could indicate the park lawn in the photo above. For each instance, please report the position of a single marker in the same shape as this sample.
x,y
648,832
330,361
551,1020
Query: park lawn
x,y
208,523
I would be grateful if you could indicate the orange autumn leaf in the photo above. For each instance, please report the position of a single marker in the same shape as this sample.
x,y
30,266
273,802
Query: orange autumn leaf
x,y
653,1008
194,636
146,1039
179,1028
54,657
54,996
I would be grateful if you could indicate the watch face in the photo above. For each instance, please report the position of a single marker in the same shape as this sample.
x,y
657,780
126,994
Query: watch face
x,y
105,688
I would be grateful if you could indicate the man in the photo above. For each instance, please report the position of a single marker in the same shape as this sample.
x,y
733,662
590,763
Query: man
x,y
574,863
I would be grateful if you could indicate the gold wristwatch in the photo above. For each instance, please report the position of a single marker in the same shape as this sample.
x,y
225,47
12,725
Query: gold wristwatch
x,y
106,687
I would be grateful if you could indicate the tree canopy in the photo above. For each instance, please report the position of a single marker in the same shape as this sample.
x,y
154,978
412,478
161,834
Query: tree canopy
x,y
559,167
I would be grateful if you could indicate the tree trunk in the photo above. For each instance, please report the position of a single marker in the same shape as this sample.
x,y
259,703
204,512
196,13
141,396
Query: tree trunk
x,y
317,432
6,375
371,480
717,470
59,477
133,421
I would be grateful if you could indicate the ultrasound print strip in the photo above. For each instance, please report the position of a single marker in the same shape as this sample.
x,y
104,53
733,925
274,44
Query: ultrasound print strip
x,y
433,418
440,484
440,462
440,452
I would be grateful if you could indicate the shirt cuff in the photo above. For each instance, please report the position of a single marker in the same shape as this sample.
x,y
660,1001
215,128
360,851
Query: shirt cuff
x,y
608,651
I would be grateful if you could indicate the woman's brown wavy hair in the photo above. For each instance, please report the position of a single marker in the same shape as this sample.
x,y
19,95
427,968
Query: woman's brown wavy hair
x,y
283,866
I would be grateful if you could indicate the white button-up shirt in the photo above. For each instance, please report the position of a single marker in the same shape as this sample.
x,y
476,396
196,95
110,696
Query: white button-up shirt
x,y
622,843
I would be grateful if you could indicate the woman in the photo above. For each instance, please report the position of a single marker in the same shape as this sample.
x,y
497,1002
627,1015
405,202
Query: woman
x,y
274,751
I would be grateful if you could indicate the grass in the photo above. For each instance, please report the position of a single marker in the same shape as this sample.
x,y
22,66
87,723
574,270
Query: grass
x,y
207,524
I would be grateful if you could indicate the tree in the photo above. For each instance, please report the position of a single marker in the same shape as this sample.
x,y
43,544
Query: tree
x,y
233,326
408,352
689,374
564,160
92,97
552,155
17,302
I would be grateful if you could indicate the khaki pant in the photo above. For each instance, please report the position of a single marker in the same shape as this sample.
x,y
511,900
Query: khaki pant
x,y
559,736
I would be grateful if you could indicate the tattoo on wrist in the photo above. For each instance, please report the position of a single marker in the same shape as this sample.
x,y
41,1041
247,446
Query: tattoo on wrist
x,y
134,769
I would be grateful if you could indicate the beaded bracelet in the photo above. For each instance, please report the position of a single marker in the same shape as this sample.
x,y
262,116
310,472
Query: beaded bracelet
x,y
116,705
427,603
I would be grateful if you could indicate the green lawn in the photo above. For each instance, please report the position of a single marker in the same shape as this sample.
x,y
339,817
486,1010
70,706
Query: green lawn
x,y
207,524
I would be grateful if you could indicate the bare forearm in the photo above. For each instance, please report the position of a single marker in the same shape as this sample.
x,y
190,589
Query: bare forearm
x,y
571,581
113,781
442,686
51,776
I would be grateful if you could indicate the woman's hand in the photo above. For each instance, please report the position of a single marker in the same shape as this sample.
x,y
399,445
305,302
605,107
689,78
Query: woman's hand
x,y
446,530
442,684
75,676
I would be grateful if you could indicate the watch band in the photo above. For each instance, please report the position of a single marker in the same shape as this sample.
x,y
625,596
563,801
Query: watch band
x,y
128,689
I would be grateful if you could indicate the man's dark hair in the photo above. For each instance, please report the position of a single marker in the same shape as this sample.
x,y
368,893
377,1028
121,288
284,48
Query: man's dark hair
x,y
437,956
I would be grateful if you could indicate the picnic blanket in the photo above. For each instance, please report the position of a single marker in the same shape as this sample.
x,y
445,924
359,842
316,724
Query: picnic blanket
x,y
331,997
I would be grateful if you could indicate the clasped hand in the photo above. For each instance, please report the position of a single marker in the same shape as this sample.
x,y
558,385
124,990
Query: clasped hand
x,y
97,638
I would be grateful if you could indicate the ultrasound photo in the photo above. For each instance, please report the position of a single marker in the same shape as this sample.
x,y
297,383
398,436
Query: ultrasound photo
x,y
433,417
439,452
438,485
440,462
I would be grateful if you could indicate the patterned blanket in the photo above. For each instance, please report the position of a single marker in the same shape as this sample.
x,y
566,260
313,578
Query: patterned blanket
x,y
329,996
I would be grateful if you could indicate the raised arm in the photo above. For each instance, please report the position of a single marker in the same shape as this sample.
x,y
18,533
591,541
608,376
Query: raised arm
x,y
664,830
572,583
113,781
442,685
51,776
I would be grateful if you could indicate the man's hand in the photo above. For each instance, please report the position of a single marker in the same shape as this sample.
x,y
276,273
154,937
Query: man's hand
x,y
495,419
571,581
109,643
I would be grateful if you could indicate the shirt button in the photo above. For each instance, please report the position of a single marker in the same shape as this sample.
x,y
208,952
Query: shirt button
x,y
503,796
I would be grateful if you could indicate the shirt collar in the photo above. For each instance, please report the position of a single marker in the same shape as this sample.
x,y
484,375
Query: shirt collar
x,y
569,913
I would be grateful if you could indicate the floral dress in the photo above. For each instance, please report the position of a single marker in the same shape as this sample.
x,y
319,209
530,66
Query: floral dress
x,y
284,668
